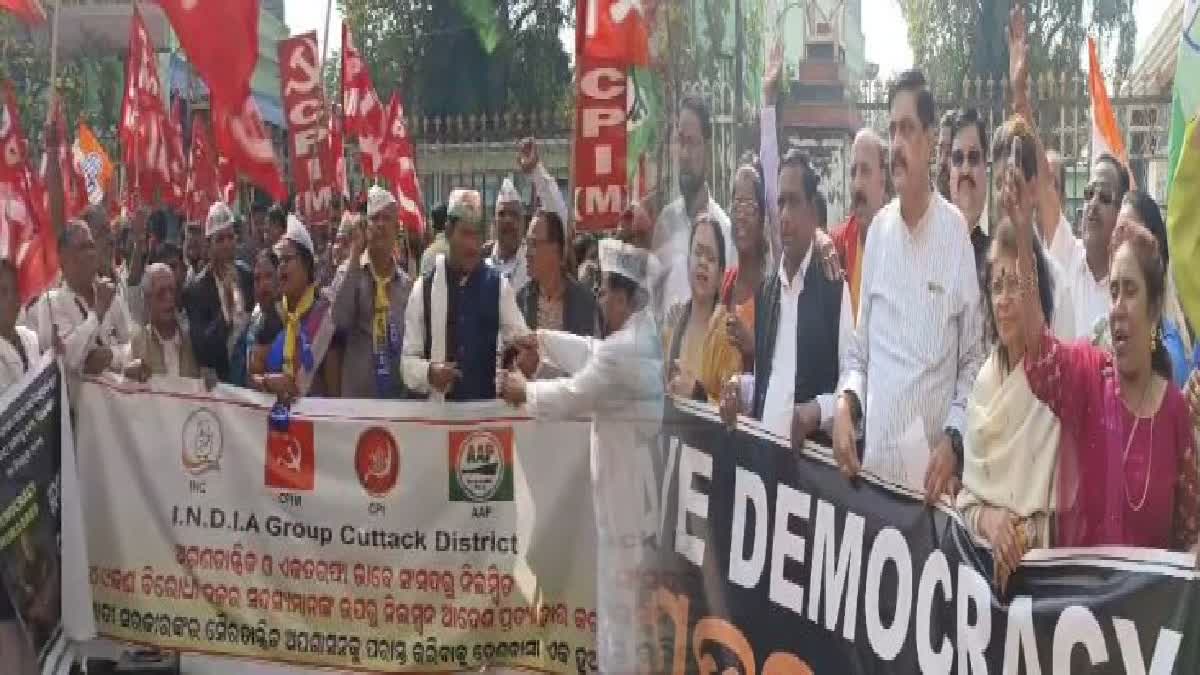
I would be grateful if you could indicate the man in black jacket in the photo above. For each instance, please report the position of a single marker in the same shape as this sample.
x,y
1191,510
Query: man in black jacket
x,y
218,301
802,324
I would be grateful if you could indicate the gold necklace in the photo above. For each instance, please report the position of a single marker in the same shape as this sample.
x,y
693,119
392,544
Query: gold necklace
x,y
1125,455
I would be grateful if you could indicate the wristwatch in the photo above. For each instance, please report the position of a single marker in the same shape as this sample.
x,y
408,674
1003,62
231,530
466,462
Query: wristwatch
x,y
956,444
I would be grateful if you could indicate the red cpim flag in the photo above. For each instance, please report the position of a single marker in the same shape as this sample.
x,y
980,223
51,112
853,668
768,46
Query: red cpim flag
x,y
616,30
29,11
398,168
1106,135
242,138
220,38
363,112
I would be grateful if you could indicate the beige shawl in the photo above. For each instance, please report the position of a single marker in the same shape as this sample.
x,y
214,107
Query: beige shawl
x,y
1010,451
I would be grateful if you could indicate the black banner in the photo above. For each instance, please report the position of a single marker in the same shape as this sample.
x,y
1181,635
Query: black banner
x,y
772,562
30,558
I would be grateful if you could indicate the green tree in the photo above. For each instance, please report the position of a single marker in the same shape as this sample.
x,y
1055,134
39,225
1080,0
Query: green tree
x,y
954,39
432,53
91,84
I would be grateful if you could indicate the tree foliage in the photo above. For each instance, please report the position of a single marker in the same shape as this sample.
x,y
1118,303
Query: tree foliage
x,y
954,39
89,83
431,52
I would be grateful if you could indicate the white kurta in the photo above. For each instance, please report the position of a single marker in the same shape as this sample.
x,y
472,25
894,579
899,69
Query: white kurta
x,y
618,383
80,328
12,368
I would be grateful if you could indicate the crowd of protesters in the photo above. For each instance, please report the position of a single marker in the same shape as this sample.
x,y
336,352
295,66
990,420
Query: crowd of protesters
x,y
1046,383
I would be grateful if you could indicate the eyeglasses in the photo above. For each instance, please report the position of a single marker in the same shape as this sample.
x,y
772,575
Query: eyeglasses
x,y
1106,197
974,158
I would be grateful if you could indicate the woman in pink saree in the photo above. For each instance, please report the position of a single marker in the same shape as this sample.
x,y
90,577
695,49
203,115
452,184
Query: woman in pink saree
x,y
1127,472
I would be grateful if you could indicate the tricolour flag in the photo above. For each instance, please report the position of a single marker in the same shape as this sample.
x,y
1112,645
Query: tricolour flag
x,y
1106,135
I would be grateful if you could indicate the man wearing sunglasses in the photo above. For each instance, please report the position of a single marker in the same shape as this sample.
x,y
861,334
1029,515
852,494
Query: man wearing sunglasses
x,y
1107,185
968,177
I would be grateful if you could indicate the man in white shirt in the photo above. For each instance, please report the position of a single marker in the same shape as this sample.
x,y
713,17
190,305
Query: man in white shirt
x,y
507,253
1107,185
803,323
918,344
85,311
674,229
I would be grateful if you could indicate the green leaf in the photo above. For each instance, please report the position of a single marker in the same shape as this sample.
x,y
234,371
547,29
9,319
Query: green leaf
x,y
482,15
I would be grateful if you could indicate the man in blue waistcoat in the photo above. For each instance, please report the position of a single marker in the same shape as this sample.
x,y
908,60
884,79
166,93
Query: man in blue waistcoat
x,y
460,315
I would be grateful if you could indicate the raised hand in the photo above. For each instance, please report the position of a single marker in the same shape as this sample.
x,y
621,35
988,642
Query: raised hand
x,y
527,155
1018,59
773,75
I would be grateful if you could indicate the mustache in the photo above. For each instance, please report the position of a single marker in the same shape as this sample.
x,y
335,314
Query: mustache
x,y
966,178
859,199
898,162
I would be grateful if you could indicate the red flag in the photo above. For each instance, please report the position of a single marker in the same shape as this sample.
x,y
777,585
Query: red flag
x,y
220,38
202,188
616,30
29,11
26,233
361,107
242,138
226,180
399,169
145,130
308,133
176,162
337,151
75,197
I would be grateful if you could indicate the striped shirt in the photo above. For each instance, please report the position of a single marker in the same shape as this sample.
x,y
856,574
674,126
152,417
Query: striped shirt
x,y
918,342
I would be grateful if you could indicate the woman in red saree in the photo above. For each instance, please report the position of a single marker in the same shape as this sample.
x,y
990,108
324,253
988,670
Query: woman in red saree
x,y
1127,463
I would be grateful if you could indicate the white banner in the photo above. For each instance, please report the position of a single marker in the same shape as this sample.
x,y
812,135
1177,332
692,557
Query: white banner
x,y
371,535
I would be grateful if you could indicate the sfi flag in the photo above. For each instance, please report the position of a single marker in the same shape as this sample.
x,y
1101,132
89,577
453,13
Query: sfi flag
x,y
616,30
93,162
220,38
144,130
400,170
242,137
308,132
202,188
29,11
361,108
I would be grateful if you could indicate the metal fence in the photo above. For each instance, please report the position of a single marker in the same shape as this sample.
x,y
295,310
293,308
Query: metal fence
x,y
1062,105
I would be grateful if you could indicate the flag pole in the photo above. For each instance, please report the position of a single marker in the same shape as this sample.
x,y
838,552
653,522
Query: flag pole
x,y
325,43
53,53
